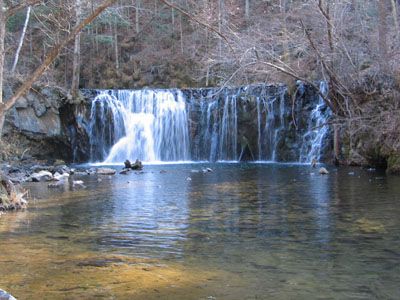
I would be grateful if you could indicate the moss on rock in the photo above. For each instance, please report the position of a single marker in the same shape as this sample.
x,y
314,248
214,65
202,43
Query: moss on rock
x,y
393,164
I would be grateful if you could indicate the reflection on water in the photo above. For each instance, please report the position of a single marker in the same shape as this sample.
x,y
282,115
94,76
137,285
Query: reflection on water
x,y
245,231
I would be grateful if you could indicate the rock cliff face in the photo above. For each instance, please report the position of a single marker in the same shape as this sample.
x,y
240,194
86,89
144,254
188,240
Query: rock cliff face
x,y
259,122
44,124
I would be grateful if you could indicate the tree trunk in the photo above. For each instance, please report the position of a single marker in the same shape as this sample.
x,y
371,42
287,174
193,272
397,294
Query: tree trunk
x,y
220,22
49,59
336,144
21,40
382,31
172,17
116,52
137,16
76,65
2,52
395,18
285,40
247,9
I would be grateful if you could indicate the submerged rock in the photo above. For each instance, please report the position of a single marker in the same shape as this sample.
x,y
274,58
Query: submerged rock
x,y
106,171
124,171
6,296
57,184
78,183
367,226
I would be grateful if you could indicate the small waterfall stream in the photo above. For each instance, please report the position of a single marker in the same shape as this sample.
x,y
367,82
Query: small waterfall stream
x,y
146,124
317,129
232,124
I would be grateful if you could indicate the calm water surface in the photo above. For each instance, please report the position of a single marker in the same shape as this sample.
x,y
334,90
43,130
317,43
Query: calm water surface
x,y
245,231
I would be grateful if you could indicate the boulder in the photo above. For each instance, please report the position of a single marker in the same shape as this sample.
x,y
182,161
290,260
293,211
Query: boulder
x,y
60,177
128,164
105,171
323,171
137,165
62,169
5,296
42,176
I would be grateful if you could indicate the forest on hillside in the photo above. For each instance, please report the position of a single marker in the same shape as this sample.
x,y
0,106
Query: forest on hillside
x,y
353,45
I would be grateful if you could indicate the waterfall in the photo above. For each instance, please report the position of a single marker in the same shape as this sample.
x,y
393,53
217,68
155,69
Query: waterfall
x,y
259,122
271,127
152,126
317,129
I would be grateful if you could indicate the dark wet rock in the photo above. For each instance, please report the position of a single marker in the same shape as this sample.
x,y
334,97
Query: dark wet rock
x,y
6,296
125,171
62,169
106,171
58,237
128,164
137,165
163,172
314,163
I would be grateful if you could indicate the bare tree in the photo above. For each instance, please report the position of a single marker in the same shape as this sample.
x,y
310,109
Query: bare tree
x,y
49,59
21,40
382,34
77,52
2,49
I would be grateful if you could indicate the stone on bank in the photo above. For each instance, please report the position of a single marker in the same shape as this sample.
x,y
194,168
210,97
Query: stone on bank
x,y
5,296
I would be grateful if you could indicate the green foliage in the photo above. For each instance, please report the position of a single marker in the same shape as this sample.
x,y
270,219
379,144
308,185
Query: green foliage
x,y
104,39
16,22
110,17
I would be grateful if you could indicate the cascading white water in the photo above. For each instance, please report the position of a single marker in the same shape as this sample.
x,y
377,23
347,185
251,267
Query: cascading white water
x,y
271,126
154,123
318,129
228,135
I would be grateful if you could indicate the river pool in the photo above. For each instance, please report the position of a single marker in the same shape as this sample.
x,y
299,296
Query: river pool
x,y
243,231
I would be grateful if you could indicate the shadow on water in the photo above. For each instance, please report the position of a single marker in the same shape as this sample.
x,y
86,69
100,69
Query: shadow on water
x,y
244,231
